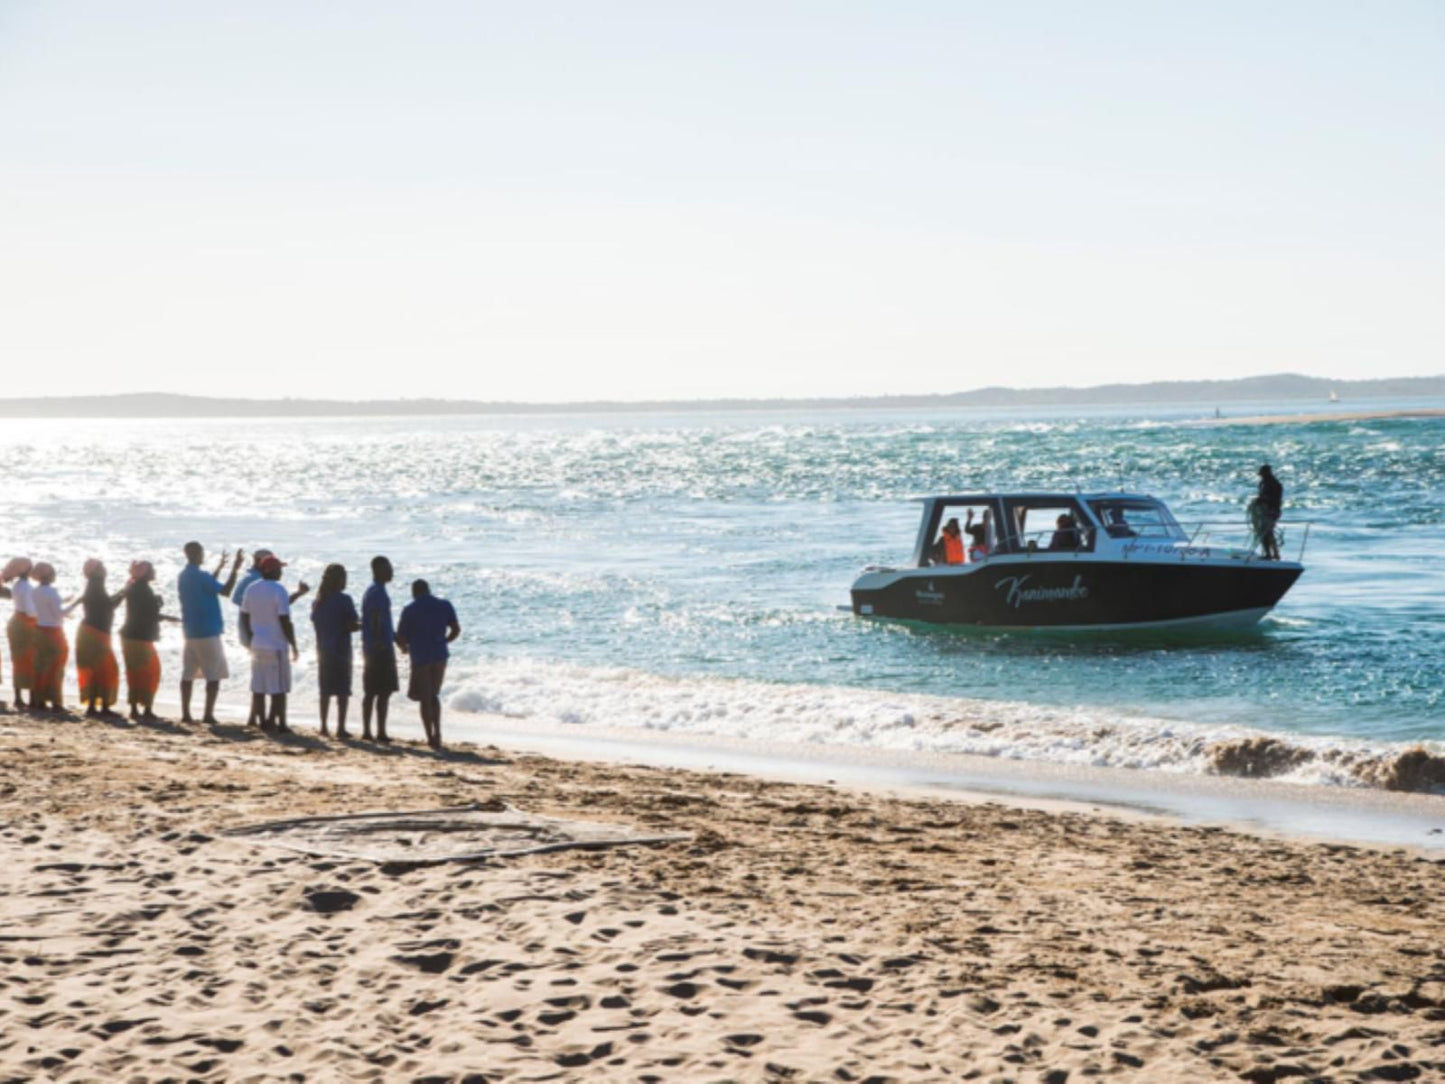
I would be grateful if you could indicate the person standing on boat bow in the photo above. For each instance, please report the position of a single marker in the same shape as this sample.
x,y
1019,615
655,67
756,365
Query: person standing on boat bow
x,y
1265,510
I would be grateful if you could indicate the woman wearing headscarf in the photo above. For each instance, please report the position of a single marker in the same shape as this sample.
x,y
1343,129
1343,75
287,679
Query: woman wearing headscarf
x,y
334,614
95,666
138,638
21,629
51,650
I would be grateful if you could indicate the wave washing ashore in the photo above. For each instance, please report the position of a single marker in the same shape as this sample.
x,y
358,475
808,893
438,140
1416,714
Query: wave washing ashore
x,y
688,571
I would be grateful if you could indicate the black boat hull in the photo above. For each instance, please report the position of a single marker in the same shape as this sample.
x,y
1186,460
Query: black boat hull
x,y
1078,594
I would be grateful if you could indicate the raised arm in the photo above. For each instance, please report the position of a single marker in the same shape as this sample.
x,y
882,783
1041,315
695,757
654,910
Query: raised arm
x,y
235,571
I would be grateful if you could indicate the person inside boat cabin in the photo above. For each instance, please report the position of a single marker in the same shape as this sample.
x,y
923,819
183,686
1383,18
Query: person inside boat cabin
x,y
978,535
1066,534
1118,526
948,550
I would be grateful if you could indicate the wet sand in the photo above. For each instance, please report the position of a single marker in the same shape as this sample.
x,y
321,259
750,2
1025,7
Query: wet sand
x,y
804,932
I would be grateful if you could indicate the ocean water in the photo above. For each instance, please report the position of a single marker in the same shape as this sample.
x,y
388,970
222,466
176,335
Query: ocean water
x,y
686,571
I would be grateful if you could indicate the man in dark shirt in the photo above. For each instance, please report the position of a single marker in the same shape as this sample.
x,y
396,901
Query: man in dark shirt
x,y
428,625
378,650
1268,506
1066,534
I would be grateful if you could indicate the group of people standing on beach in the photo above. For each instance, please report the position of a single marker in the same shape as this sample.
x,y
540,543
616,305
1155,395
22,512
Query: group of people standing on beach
x,y
39,652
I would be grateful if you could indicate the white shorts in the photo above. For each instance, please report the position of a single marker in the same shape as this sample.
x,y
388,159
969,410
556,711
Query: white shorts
x,y
204,658
270,672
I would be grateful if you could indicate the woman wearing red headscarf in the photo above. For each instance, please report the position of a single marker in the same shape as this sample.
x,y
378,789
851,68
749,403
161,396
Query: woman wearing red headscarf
x,y
21,629
138,638
95,665
51,650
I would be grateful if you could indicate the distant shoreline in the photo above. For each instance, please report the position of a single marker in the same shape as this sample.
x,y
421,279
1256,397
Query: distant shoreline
x,y
1342,416
1206,395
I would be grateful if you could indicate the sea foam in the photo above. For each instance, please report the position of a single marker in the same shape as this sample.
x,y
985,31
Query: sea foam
x,y
802,714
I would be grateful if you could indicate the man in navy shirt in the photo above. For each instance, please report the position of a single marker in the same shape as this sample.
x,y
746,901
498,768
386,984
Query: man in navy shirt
x,y
428,624
378,651
203,624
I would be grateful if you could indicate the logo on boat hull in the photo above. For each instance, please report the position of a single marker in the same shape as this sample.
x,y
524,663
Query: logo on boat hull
x,y
1017,592
929,597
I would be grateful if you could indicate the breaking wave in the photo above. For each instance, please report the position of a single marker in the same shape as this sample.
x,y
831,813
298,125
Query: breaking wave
x,y
837,716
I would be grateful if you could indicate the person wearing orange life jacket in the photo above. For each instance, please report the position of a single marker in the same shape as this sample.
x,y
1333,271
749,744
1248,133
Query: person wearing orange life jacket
x,y
948,550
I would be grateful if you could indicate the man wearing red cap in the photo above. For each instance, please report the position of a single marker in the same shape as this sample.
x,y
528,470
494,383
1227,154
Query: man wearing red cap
x,y
266,625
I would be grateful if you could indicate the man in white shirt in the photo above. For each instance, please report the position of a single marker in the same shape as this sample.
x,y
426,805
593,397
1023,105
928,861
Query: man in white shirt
x,y
266,625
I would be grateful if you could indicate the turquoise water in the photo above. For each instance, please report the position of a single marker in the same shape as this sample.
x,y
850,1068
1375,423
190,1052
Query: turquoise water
x,y
596,556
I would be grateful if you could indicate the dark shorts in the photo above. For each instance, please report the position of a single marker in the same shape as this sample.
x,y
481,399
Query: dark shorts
x,y
333,673
378,674
426,680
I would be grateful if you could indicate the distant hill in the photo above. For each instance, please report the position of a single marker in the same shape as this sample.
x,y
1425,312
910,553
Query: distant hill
x,y
1206,393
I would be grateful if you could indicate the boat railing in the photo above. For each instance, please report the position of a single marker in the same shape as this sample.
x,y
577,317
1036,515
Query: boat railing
x,y
1212,539
1232,535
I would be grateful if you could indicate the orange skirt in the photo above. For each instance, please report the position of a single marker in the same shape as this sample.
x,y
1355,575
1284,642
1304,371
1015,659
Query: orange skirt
x,y
21,633
95,666
51,655
142,670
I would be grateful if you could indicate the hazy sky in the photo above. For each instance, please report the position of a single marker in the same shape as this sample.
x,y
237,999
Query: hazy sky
x,y
555,201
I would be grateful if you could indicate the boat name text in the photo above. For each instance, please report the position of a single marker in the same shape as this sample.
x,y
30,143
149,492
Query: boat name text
x,y
1016,591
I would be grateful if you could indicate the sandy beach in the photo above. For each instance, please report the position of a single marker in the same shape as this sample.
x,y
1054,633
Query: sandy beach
x,y
801,932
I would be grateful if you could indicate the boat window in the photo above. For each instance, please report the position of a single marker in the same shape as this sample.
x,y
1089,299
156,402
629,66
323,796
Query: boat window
x,y
1137,519
1055,524
976,536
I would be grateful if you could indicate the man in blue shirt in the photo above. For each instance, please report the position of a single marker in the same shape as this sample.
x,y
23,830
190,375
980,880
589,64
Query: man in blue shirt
x,y
202,623
428,625
378,651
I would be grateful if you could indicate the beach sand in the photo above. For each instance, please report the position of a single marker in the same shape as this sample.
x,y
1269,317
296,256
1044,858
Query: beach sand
x,y
803,932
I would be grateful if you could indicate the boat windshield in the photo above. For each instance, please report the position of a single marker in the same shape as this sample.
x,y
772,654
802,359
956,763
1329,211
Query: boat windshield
x,y
1137,518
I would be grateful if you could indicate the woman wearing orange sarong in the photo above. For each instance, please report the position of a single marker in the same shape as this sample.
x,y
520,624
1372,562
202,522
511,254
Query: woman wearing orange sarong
x,y
21,629
138,638
95,666
51,650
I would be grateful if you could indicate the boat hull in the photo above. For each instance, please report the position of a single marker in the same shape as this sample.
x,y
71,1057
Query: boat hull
x,y
1081,594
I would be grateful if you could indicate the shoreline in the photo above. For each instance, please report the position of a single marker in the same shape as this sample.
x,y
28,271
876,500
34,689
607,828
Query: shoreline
x,y
1359,815
1300,811
800,931
1323,416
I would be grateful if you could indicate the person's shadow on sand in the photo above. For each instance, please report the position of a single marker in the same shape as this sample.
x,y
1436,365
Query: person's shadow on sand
x,y
416,749
234,732
156,723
